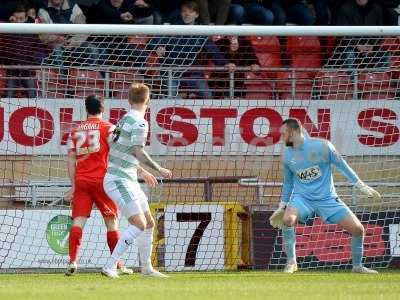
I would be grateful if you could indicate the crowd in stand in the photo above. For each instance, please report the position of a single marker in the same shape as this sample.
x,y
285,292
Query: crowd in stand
x,y
81,50
219,12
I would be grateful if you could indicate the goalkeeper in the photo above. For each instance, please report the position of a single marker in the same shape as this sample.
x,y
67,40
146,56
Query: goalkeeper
x,y
308,188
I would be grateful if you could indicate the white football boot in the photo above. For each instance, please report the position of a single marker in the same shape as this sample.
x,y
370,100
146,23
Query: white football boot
x,y
290,268
124,271
111,273
364,270
150,272
71,269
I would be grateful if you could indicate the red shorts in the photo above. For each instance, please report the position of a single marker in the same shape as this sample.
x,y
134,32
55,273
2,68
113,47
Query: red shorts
x,y
86,193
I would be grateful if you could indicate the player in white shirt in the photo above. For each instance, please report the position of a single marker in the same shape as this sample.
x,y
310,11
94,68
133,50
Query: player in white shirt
x,y
121,184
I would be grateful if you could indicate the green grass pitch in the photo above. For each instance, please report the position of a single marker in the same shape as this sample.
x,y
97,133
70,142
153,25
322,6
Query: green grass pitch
x,y
188,286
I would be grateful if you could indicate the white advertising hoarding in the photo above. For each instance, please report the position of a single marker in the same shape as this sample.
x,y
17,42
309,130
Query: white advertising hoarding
x,y
209,127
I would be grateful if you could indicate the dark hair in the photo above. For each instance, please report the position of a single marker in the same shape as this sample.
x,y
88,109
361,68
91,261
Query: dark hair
x,y
94,105
192,5
21,7
292,123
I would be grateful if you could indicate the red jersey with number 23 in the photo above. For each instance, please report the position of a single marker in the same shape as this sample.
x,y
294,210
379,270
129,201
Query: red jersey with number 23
x,y
89,141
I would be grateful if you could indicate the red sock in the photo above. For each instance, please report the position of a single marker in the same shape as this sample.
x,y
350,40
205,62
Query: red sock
x,y
75,239
112,240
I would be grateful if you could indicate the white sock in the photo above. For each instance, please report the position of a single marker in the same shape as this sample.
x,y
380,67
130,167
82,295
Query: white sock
x,y
145,245
126,239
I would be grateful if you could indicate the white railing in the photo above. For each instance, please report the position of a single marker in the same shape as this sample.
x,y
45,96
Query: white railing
x,y
191,30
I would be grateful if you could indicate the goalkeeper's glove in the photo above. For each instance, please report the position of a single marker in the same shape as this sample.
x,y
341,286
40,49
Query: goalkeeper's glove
x,y
367,190
276,219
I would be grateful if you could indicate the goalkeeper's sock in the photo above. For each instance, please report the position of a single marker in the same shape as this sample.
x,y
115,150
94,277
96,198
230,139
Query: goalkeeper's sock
x,y
357,249
289,239
127,237
112,240
145,245
75,239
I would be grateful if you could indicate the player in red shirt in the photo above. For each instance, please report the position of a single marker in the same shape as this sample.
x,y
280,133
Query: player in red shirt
x,y
87,164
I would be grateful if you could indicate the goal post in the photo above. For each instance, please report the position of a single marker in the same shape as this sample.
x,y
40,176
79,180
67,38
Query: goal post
x,y
219,96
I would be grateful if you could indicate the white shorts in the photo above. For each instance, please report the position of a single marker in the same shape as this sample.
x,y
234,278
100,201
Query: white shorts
x,y
127,194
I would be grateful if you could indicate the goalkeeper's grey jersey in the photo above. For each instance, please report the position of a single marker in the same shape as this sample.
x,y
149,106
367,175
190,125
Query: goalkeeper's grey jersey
x,y
131,131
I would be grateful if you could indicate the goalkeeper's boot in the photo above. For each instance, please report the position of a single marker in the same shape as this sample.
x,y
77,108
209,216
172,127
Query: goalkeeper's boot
x,y
111,273
71,269
122,270
150,272
290,268
363,270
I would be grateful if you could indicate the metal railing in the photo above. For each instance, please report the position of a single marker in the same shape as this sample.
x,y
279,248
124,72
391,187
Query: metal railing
x,y
51,193
261,187
241,82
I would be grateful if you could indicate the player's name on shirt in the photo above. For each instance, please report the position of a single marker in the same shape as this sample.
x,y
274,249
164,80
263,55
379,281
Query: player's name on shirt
x,y
89,126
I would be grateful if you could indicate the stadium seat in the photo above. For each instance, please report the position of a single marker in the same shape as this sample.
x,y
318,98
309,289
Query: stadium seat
x,y
393,46
257,87
51,84
120,82
268,52
294,85
305,52
3,82
375,86
303,45
334,86
85,82
265,44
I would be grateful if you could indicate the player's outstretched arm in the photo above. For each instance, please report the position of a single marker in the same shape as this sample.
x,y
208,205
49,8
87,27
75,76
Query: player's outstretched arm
x,y
144,158
338,161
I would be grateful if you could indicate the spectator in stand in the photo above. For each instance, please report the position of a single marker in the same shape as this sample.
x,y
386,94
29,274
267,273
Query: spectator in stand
x,y
249,12
323,15
290,11
8,7
213,11
359,52
181,51
68,50
123,12
166,11
21,50
241,52
117,50
391,11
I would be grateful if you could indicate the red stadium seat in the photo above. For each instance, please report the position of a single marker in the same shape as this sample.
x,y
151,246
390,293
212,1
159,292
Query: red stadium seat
x,y
50,84
3,82
120,83
268,52
265,44
304,51
85,82
258,87
375,86
334,86
393,46
303,45
294,85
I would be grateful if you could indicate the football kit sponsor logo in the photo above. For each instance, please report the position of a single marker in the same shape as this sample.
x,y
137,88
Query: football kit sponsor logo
x,y
310,174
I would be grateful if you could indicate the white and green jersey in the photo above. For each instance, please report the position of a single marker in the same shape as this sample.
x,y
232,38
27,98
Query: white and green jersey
x,y
131,131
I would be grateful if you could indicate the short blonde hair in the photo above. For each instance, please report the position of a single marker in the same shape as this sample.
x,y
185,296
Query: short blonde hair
x,y
138,93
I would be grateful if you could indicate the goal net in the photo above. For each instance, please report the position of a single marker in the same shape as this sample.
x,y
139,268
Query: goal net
x,y
218,101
